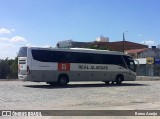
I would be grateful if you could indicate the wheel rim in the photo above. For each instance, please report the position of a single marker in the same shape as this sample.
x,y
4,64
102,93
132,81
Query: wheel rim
x,y
119,80
63,81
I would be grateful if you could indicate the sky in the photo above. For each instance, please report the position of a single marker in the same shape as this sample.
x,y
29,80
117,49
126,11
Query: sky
x,y
45,22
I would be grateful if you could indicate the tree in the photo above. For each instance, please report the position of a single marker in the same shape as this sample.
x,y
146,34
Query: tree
x,y
4,69
8,68
14,68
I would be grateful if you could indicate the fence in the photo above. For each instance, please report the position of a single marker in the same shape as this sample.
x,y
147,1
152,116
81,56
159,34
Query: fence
x,y
148,70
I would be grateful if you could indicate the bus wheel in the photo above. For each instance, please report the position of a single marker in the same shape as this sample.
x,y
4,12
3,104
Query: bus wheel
x,y
63,80
112,83
119,79
107,82
52,83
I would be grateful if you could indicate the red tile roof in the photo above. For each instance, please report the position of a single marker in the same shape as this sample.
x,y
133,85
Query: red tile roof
x,y
120,45
135,51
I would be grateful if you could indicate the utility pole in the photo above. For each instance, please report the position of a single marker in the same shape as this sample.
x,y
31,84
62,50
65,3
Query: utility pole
x,y
123,41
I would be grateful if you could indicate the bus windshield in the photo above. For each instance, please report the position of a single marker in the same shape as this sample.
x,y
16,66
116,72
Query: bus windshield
x,y
23,52
130,63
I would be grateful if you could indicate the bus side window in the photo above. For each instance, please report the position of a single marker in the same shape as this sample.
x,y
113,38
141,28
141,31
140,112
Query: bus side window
x,y
98,59
71,57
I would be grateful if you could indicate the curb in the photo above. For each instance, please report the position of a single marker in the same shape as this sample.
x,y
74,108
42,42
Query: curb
x,y
10,80
147,78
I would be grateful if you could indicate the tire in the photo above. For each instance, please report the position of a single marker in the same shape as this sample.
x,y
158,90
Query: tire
x,y
119,79
52,83
107,82
63,80
112,82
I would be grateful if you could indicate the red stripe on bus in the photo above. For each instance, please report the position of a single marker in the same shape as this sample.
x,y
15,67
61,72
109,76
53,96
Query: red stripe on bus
x,y
63,66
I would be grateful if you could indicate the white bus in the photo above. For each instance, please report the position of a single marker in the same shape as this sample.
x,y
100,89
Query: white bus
x,y
61,66
22,63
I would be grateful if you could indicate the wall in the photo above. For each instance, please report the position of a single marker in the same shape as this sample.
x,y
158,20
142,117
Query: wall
x,y
149,53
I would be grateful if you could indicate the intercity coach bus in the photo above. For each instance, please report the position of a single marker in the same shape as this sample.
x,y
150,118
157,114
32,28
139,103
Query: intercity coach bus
x,y
22,63
60,66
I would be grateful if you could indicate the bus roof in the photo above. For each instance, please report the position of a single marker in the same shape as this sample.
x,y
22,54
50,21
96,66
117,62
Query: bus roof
x,y
83,50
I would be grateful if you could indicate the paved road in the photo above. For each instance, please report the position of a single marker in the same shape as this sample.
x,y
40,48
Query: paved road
x,y
18,95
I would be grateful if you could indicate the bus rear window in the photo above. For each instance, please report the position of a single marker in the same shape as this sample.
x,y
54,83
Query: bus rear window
x,y
23,52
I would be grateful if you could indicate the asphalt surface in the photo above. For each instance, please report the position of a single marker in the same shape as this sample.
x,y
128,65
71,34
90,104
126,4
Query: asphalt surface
x,y
139,95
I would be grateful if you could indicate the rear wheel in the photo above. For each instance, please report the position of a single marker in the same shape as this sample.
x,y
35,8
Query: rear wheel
x,y
63,80
112,82
52,83
119,79
107,82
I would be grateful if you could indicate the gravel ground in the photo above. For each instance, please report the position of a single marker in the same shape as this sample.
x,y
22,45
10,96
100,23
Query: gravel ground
x,y
18,95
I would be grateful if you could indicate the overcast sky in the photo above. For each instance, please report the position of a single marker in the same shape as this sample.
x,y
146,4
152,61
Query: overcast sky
x,y
46,22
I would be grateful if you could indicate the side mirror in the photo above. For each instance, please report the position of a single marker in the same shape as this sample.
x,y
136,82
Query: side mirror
x,y
136,62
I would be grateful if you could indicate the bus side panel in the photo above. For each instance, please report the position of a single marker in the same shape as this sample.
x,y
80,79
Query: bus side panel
x,y
52,76
129,76
37,75
49,71
90,76
42,71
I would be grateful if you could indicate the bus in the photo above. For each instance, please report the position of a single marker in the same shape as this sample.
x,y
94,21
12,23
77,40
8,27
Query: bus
x,y
61,66
22,63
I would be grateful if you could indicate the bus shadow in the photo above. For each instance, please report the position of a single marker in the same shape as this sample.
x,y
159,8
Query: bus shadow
x,y
84,85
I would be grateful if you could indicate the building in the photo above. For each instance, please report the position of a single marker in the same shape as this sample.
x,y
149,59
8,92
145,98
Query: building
x,y
149,60
120,45
102,42
135,53
144,53
73,44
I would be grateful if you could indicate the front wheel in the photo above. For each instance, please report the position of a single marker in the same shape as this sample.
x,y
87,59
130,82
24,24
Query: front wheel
x,y
119,79
63,80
